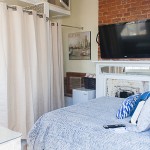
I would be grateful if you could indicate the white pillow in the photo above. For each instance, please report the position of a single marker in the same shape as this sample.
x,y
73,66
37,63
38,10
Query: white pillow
x,y
143,123
137,112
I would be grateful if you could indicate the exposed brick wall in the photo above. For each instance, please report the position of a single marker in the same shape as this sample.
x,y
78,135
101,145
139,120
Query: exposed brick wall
x,y
116,11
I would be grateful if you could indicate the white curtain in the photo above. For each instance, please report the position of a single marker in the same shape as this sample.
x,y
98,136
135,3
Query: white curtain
x,y
31,67
57,81
3,65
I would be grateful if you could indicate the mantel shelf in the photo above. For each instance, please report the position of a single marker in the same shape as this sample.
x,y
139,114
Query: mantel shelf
x,y
54,11
49,9
57,11
104,63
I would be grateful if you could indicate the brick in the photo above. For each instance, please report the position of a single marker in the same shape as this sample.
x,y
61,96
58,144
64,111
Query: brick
x,y
100,22
116,20
123,2
136,4
143,7
130,1
135,12
142,17
118,3
105,13
112,2
114,11
119,15
103,17
120,6
113,8
102,2
112,16
101,5
148,15
124,19
127,5
100,14
108,21
146,2
146,11
131,9
132,18
104,9
126,14
123,11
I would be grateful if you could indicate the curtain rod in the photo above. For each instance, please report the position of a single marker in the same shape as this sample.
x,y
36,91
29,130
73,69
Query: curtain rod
x,y
24,10
69,26
72,26
12,7
27,11
41,15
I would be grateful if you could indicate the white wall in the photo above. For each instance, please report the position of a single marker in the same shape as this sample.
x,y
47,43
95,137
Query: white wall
x,y
84,13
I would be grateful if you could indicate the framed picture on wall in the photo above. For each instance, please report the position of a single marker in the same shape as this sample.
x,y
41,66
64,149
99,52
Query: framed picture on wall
x,y
79,45
65,3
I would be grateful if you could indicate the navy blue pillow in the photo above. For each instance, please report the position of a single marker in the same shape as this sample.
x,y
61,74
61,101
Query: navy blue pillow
x,y
127,106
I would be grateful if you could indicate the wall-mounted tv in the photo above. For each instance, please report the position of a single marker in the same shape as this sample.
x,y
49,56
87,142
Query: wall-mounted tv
x,y
125,40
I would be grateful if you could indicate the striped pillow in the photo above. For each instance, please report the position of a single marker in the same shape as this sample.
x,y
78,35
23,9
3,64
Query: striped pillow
x,y
127,106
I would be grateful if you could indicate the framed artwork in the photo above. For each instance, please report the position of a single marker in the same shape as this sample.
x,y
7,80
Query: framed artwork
x,y
79,45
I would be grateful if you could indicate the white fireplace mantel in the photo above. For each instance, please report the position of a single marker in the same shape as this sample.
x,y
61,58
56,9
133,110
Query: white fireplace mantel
x,y
104,63
102,77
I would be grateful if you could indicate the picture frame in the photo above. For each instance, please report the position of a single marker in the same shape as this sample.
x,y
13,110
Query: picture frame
x,y
79,45
65,3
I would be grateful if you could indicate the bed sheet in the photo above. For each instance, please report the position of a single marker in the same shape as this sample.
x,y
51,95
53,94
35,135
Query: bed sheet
x,y
80,127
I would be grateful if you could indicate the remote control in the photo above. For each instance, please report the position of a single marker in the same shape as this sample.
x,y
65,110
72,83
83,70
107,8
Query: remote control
x,y
113,126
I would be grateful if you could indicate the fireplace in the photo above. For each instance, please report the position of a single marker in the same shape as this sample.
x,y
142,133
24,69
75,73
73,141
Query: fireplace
x,y
121,83
124,88
125,91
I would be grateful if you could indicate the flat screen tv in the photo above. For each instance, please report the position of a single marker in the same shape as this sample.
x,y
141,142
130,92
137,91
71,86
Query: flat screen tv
x,y
125,40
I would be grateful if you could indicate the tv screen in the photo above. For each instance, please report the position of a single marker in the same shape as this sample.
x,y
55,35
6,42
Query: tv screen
x,y
125,40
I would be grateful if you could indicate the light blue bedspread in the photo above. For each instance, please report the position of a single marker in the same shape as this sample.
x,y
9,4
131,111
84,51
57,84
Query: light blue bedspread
x,y
80,127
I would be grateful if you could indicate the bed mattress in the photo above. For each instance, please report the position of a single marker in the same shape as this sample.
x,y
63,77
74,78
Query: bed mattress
x,y
80,127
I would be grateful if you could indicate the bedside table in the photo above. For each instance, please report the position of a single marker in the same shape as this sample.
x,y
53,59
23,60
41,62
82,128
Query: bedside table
x,y
81,95
9,140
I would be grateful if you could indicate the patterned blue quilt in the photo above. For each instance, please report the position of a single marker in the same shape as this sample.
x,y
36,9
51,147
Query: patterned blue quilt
x,y
80,127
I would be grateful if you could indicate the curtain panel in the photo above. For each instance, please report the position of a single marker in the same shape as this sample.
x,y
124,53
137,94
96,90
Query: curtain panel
x,y
31,68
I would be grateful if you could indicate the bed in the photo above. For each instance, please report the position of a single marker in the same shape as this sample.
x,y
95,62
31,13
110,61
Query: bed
x,y
80,127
